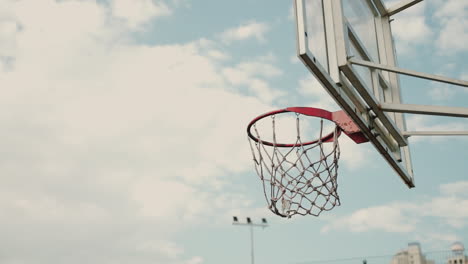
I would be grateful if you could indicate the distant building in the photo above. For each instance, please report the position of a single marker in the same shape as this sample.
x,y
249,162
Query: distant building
x,y
458,254
412,255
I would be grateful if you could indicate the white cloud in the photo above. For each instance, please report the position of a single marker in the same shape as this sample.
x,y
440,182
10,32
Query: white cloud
x,y
447,208
9,28
248,30
410,28
406,217
437,240
212,50
254,74
218,55
291,14
451,16
390,218
260,69
169,249
315,93
136,13
455,188
445,92
245,70
464,76
355,156
195,260
294,59
442,93
424,123
109,146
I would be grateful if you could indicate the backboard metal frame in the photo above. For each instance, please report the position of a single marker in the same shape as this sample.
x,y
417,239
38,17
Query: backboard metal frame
x,y
374,103
356,100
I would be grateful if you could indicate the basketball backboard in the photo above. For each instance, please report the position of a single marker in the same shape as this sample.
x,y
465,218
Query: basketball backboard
x,y
348,45
329,34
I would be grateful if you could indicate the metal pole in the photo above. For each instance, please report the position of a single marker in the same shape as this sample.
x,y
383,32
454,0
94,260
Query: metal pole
x,y
426,109
435,133
251,226
401,6
252,243
427,76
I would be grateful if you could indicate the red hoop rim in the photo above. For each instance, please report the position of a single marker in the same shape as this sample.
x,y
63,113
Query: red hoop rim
x,y
308,111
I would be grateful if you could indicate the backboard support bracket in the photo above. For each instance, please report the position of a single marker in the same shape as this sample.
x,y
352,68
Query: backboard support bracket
x,y
371,101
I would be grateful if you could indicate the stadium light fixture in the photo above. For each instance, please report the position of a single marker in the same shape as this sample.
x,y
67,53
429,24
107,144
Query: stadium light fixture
x,y
249,223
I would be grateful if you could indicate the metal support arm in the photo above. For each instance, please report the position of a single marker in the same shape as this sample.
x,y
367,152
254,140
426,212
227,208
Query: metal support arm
x,y
426,110
435,133
401,6
427,76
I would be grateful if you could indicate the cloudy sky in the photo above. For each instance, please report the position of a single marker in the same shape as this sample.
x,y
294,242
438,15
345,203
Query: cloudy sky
x,y
123,135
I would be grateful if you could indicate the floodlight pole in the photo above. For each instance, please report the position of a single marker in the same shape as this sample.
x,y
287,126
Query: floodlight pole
x,y
252,244
251,225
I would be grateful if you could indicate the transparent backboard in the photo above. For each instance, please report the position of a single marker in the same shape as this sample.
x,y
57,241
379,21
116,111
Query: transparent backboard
x,y
329,34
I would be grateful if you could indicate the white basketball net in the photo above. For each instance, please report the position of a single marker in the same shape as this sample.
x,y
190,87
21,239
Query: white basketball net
x,y
301,179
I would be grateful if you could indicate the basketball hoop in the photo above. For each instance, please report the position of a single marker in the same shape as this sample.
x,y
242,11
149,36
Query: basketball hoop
x,y
300,177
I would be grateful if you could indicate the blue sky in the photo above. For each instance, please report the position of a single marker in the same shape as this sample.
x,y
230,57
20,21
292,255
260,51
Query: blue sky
x,y
123,135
